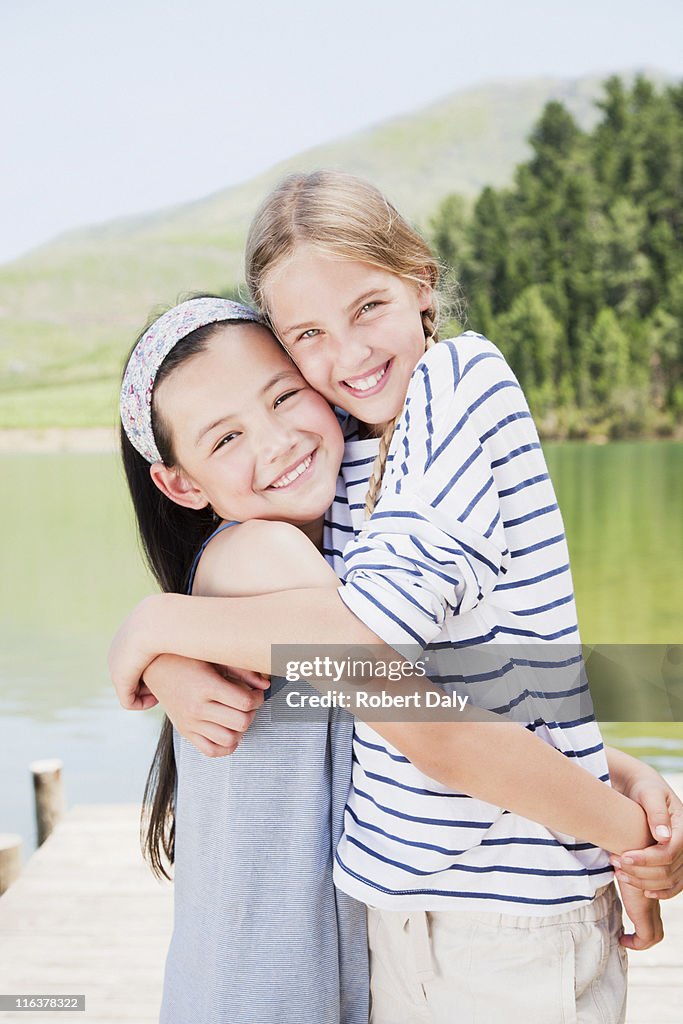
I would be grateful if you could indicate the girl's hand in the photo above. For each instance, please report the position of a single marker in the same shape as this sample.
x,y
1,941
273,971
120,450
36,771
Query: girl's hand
x,y
644,914
657,870
211,707
129,656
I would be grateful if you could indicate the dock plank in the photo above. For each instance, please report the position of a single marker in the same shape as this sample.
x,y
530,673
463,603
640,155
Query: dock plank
x,y
86,916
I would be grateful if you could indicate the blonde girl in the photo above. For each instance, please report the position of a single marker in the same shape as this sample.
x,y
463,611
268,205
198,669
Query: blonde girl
x,y
464,549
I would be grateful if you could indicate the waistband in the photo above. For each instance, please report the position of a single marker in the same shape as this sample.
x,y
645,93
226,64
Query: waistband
x,y
593,910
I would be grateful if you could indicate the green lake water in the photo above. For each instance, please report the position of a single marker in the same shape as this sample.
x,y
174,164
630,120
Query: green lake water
x,y
71,569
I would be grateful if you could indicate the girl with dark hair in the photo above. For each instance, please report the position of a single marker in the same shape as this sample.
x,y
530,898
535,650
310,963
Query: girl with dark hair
x,y
219,426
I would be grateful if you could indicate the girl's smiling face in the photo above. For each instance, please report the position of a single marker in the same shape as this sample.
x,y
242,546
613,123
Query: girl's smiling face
x,y
354,330
251,438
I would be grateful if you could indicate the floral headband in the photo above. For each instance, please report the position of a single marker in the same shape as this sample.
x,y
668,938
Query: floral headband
x,y
149,354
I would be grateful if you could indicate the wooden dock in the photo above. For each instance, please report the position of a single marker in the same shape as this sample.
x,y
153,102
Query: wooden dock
x,y
87,917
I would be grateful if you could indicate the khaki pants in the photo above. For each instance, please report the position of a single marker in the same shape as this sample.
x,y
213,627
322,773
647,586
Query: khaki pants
x,y
480,968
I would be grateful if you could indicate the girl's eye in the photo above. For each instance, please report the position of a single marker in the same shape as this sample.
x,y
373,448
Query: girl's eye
x,y
308,335
368,306
224,441
283,398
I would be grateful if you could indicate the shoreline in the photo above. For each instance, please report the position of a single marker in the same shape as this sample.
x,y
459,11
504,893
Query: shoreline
x,y
104,440
51,440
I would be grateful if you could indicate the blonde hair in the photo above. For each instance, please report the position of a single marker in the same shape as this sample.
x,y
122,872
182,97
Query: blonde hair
x,y
346,217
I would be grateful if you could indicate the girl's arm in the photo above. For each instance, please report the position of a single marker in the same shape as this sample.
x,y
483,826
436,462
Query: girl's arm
x,y
532,778
214,715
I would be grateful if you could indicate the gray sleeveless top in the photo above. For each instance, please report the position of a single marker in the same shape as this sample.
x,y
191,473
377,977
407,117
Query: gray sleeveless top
x,y
260,933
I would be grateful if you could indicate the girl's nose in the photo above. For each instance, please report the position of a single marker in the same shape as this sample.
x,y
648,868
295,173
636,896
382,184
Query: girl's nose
x,y
275,442
352,353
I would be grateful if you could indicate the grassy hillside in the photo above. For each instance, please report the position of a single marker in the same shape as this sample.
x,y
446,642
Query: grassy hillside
x,y
70,310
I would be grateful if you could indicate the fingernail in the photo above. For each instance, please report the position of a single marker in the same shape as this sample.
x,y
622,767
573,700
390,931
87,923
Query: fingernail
x,y
622,877
628,860
615,862
651,895
663,832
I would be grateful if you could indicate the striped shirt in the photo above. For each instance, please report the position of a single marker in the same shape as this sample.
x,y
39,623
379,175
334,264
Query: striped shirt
x,y
465,554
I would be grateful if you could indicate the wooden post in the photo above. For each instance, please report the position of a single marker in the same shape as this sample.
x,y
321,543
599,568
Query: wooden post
x,y
49,793
10,859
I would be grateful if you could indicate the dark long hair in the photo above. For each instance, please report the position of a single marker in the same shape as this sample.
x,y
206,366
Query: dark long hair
x,y
170,536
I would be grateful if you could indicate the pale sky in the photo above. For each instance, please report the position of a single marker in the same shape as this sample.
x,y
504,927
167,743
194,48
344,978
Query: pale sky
x,y
121,108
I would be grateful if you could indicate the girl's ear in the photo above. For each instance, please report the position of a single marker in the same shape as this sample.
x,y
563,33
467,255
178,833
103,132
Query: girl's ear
x,y
425,290
176,486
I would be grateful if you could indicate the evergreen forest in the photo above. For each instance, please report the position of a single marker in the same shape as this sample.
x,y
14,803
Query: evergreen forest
x,y
576,269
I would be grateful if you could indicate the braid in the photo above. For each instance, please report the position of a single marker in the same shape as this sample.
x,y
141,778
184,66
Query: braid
x,y
430,328
375,481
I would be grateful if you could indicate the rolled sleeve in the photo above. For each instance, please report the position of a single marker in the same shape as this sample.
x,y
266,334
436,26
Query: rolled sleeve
x,y
435,544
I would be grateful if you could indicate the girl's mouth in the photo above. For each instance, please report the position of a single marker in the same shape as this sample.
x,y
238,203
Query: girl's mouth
x,y
370,384
299,472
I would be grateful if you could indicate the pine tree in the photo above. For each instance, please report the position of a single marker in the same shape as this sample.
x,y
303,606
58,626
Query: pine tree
x,y
531,338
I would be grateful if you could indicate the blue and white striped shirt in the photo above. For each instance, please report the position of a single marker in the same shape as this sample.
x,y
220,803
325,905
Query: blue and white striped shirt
x,y
465,552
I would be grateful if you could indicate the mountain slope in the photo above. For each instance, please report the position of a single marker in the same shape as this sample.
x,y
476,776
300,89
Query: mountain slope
x,y
70,310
